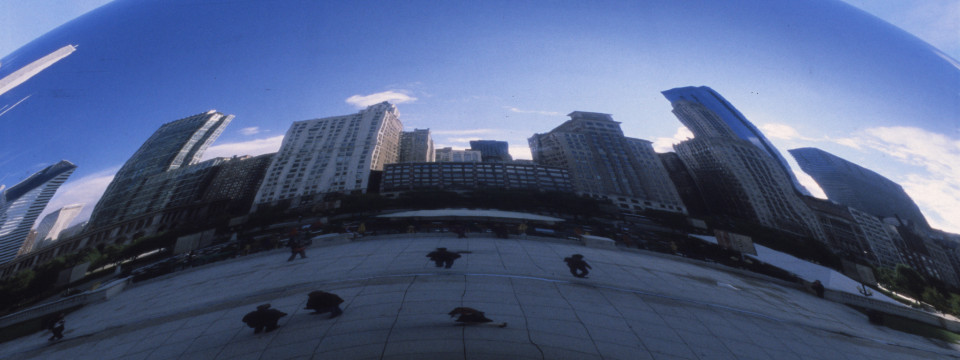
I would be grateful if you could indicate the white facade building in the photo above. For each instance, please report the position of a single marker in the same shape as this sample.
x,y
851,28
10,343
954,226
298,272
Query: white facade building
x,y
334,154
48,230
878,238
448,154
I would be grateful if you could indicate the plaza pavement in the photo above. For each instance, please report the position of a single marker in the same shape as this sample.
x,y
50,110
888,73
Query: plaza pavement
x,y
634,305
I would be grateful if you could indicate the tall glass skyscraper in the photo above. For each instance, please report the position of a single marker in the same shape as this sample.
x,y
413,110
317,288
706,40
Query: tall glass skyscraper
x,y
858,187
492,150
21,204
707,114
176,144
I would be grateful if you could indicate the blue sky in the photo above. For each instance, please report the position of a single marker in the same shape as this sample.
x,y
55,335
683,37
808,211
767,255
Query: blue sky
x,y
810,74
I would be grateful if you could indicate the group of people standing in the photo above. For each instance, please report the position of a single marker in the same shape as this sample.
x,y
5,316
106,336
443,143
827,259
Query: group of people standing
x,y
265,318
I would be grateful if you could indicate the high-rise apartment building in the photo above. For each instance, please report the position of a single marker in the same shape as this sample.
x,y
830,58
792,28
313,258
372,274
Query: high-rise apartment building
x,y
176,144
416,146
707,114
334,154
740,180
21,204
492,150
858,187
448,154
603,163
48,230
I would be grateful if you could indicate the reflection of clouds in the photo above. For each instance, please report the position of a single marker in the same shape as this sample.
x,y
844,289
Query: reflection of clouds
x,y
538,112
394,97
462,132
463,140
250,130
86,190
665,144
936,190
252,147
520,152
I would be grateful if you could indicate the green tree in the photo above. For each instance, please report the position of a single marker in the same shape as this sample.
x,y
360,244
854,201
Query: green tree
x,y
910,281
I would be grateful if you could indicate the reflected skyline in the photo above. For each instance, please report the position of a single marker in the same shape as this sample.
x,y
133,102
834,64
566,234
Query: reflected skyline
x,y
819,74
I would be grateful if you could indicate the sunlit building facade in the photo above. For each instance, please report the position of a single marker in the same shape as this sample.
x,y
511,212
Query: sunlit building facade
x,y
603,163
21,204
176,144
334,154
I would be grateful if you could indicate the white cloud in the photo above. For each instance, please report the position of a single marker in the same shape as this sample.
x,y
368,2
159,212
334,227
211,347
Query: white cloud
x,y
86,190
250,130
810,184
462,132
463,140
782,131
538,112
394,97
937,191
665,144
252,147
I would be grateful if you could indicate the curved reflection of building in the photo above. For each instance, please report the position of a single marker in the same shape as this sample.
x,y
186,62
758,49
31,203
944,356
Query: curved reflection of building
x,y
25,73
176,144
21,204
858,187
706,114
49,229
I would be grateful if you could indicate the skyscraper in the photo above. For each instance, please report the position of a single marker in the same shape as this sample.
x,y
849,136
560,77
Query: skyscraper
x,y
858,187
416,146
176,144
21,204
742,181
448,154
334,154
30,70
706,113
492,150
48,230
603,163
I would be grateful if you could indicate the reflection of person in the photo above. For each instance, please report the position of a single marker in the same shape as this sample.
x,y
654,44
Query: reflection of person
x,y
263,318
296,246
323,302
442,257
818,288
471,316
522,229
577,266
57,326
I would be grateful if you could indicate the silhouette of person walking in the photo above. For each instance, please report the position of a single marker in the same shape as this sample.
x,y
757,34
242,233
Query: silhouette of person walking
x,y
442,257
577,266
296,246
56,327
471,316
323,302
263,318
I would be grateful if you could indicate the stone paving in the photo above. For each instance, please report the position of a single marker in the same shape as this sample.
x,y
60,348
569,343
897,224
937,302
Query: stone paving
x,y
633,306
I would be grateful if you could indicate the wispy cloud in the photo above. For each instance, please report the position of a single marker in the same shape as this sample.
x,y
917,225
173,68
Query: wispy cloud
x,y
463,140
935,186
252,147
250,130
665,144
86,190
538,112
393,96
462,132
782,131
